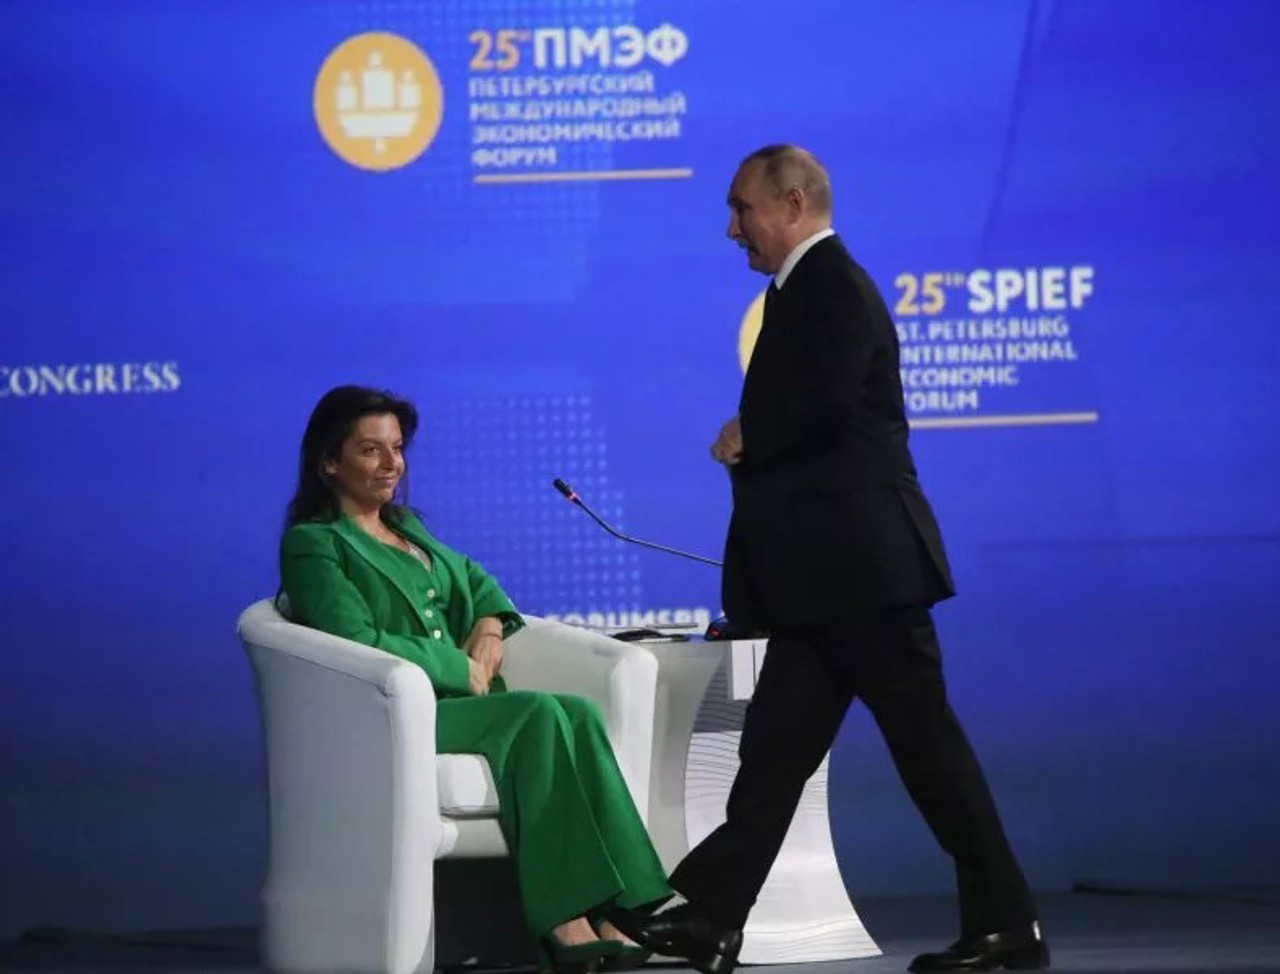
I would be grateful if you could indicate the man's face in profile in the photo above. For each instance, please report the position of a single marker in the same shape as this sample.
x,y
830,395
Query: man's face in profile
x,y
759,218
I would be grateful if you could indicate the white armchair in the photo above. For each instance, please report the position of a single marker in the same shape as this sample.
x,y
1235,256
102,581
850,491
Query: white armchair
x,y
361,805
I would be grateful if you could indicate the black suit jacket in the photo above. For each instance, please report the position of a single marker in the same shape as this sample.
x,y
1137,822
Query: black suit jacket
x,y
828,515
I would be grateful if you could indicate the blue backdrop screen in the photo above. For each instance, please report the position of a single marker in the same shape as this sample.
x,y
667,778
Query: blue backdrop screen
x,y
513,213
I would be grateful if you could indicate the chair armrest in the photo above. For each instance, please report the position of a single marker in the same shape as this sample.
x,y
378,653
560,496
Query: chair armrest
x,y
343,656
620,678
354,813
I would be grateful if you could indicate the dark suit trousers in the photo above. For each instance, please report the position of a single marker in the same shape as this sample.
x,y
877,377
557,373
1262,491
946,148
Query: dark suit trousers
x,y
891,660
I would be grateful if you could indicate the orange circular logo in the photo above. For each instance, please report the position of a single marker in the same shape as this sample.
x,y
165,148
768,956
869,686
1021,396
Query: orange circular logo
x,y
378,101
750,330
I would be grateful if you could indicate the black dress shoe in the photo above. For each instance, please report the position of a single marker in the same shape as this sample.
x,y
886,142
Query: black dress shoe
x,y
1023,949
683,932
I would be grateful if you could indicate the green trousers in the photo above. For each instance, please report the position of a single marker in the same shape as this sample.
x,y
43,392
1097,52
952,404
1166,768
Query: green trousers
x,y
564,807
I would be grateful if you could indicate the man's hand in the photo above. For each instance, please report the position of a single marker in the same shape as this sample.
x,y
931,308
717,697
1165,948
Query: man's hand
x,y
727,448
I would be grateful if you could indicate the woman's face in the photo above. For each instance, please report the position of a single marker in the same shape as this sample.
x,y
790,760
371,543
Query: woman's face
x,y
369,465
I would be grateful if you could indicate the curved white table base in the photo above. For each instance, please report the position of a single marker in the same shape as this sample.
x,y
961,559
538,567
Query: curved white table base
x,y
803,913
685,671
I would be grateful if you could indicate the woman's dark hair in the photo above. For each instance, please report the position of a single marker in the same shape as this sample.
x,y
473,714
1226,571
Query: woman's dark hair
x,y
331,422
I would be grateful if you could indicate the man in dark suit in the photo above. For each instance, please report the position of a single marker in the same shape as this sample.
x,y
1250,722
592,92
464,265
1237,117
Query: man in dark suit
x,y
833,549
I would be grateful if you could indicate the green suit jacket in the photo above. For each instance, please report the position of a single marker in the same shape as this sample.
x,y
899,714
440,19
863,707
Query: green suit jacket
x,y
340,579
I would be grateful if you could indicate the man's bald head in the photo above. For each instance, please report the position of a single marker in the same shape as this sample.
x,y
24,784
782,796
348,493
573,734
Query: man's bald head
x,y
788,167
779,198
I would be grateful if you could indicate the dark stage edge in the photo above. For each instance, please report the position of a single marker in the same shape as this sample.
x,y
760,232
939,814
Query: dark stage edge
x,y
1087,932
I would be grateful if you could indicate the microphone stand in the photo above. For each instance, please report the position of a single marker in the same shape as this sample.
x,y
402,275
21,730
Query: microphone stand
x,y
572,496
720,629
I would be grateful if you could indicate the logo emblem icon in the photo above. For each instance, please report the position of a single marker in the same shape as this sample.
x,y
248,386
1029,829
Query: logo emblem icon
x,y
749,330
378,101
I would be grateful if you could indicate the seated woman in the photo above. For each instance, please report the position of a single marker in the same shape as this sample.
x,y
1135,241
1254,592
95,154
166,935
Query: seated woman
x,y
357,563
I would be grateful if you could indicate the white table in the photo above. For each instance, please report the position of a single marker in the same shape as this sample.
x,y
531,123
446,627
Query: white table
x,y
803,913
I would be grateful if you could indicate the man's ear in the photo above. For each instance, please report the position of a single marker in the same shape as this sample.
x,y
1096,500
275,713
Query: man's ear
x,y
795,200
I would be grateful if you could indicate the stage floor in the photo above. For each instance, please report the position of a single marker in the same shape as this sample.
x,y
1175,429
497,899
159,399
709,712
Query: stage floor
x,y
1099,934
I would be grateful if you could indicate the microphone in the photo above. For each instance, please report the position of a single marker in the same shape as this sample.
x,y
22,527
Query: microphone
x,y
572,496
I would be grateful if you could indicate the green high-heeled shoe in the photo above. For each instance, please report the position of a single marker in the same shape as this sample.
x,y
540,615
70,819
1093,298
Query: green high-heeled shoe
x,y
630,957
558,958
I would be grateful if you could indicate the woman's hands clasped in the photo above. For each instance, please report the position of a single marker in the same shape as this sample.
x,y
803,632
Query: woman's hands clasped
x,y
484,647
